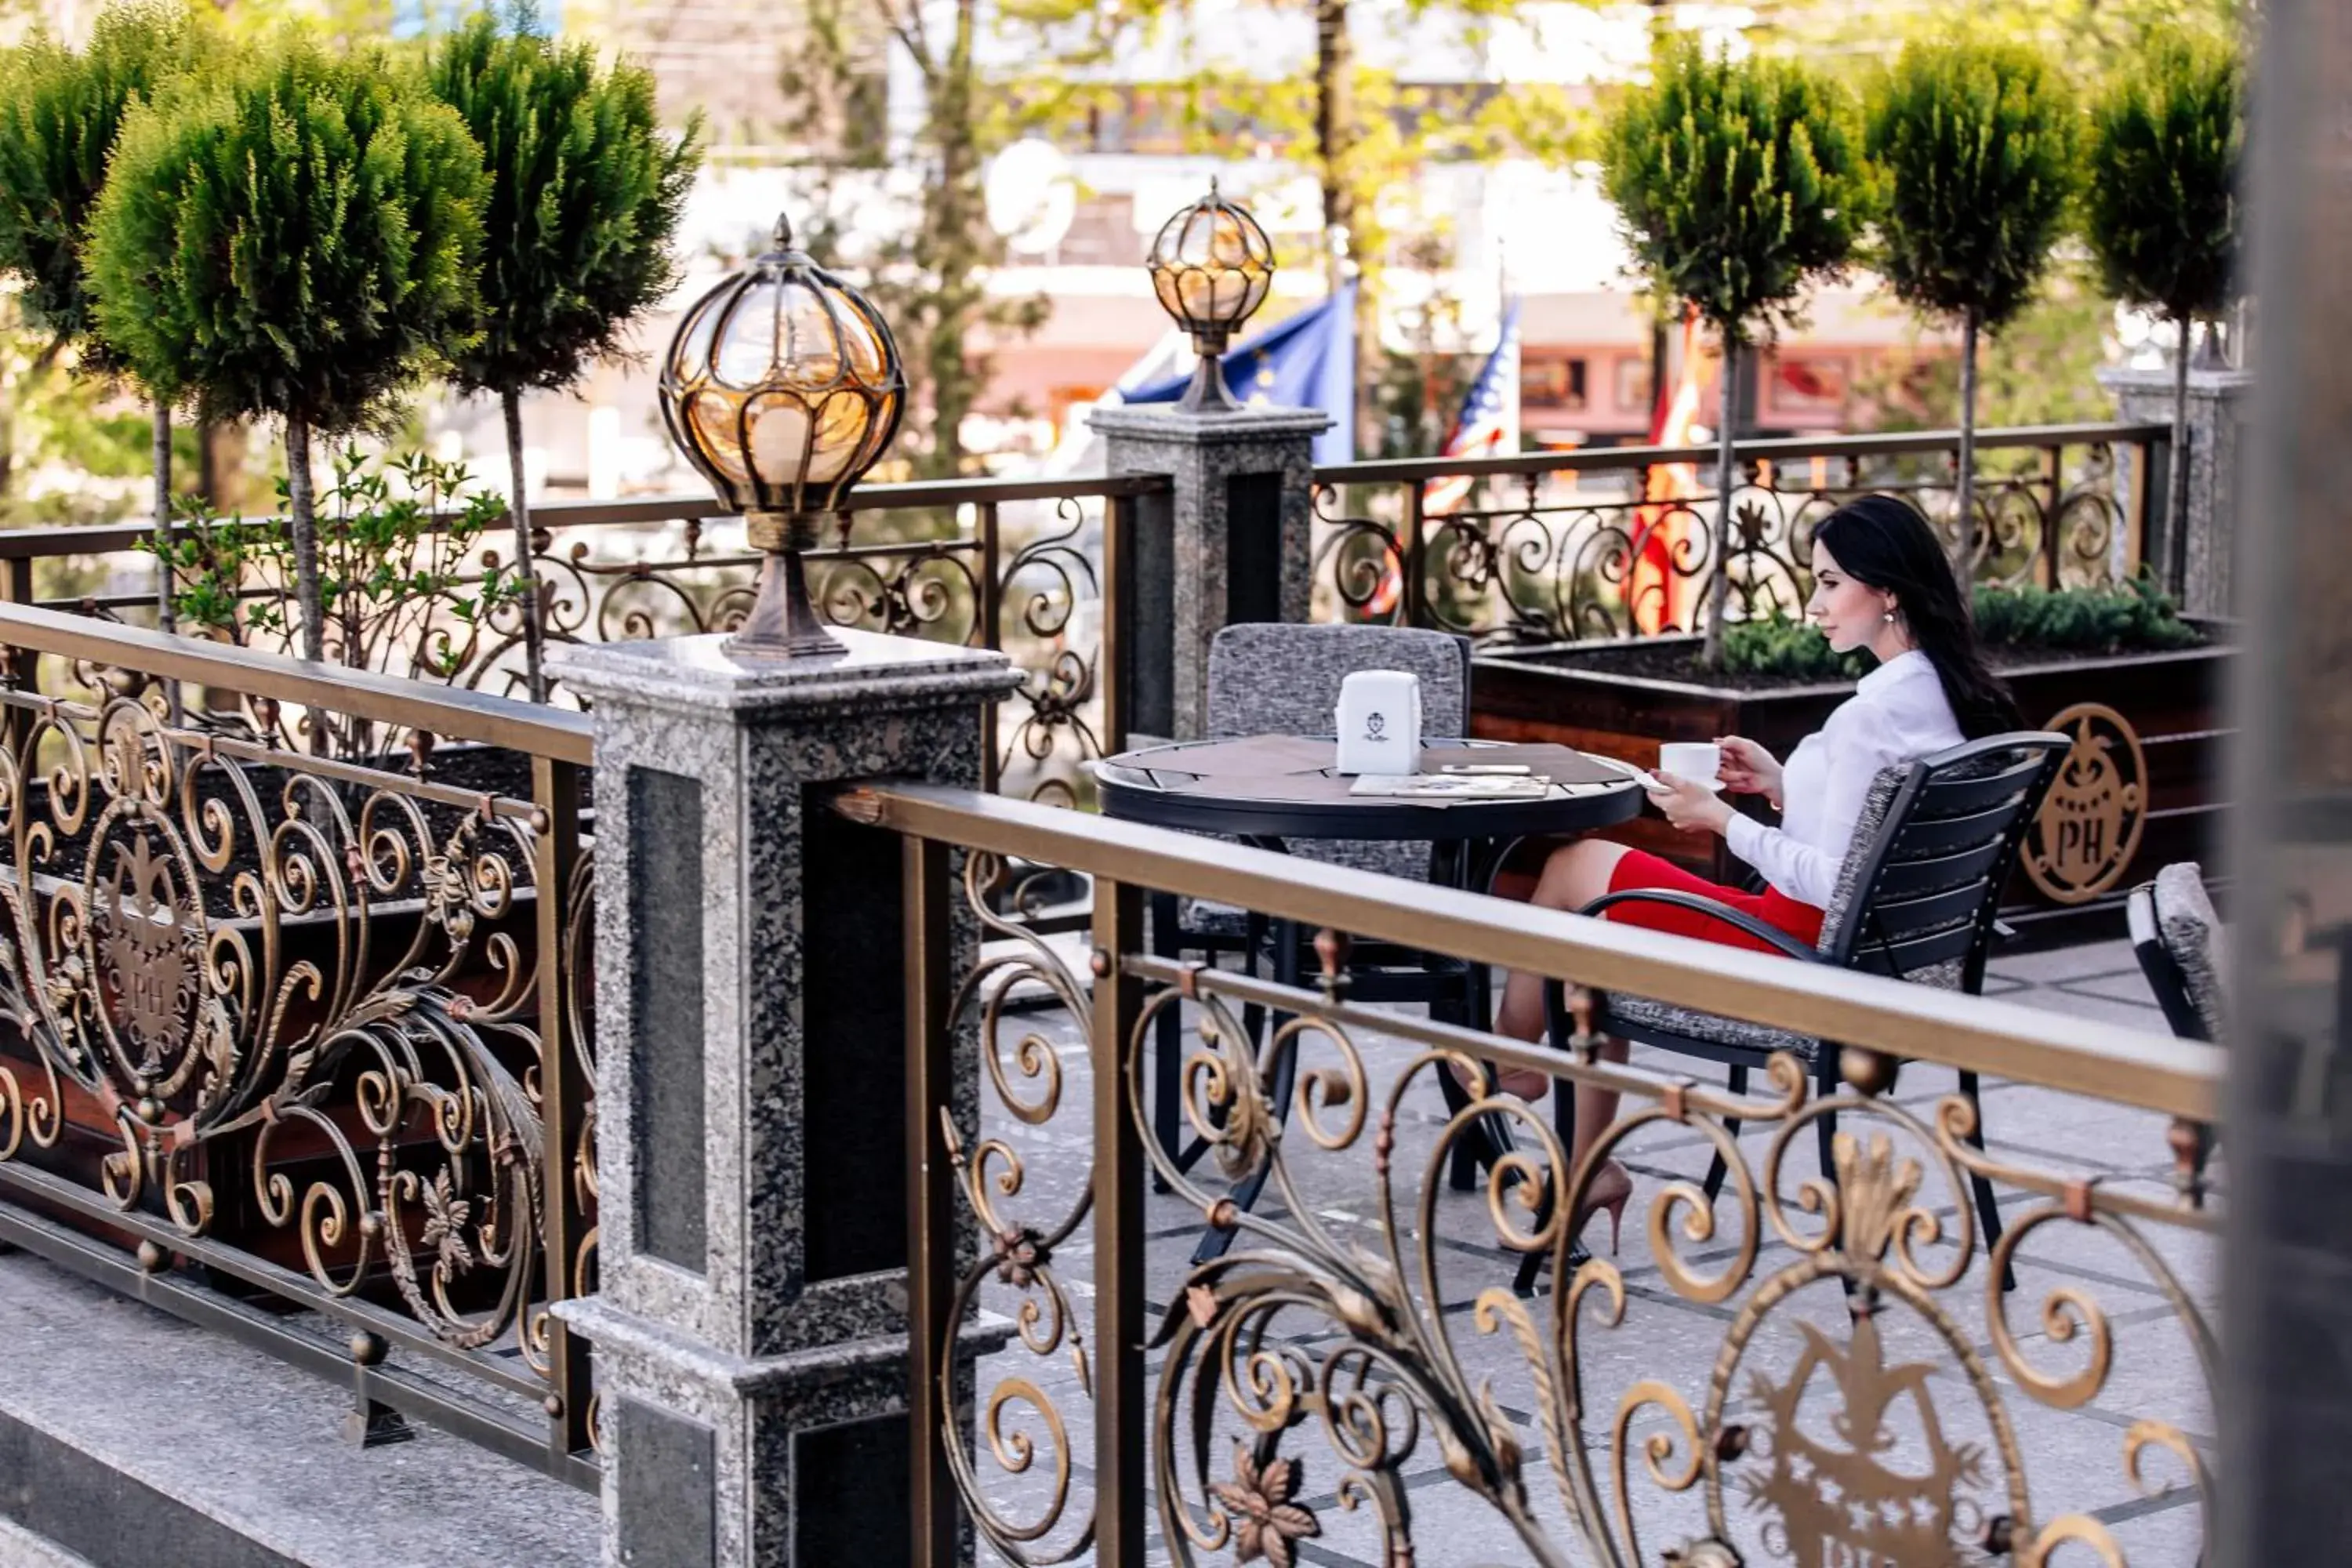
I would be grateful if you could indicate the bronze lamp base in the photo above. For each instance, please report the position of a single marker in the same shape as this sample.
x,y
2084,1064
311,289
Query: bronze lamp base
x,y
784,623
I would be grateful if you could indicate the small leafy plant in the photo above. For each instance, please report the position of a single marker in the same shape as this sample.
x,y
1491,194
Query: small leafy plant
x,y
397,540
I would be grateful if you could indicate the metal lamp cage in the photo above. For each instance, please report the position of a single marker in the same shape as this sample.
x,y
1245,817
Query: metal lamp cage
x,y
782,384
1211,267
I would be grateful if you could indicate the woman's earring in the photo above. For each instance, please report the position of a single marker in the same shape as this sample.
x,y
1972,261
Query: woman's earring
x,y
1888,618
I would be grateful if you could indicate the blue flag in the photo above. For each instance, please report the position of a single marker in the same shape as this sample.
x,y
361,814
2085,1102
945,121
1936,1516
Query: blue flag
x,y
1306,362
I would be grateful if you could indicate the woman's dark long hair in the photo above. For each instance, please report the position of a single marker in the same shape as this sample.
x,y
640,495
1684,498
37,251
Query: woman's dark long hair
x,y
1883,542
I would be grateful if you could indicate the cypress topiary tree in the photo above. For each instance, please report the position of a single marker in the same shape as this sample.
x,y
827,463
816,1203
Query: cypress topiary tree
x,y
297,238
2160,208
1975,145
59,114
1738,183
585,193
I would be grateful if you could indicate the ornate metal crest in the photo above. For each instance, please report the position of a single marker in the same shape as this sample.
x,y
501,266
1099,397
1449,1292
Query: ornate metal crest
x,y
149,940
2089,827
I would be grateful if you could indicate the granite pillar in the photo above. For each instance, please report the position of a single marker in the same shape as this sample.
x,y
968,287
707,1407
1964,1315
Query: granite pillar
x,y
1236,542
749,1334
2220,403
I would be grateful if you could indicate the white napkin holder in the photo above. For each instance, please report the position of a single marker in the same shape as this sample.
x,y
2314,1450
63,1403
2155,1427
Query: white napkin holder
x,y
1378,722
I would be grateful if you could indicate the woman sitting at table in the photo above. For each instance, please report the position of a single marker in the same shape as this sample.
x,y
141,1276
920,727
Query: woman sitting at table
x,y
1881,581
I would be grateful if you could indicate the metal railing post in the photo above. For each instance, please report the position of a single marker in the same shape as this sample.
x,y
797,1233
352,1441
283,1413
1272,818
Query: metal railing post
x,y
1414,565
555,789
1121,1419
1115,646
2053,474
988,618
930,1193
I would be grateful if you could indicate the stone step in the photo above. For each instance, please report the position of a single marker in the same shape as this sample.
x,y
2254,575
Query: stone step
x,y
128,1436
20,1548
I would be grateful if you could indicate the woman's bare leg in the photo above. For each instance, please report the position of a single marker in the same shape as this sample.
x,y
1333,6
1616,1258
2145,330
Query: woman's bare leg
x,y
1576,874
1572,877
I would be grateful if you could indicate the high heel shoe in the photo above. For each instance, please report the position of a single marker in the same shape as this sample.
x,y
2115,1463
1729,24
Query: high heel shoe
x,y
1611,1185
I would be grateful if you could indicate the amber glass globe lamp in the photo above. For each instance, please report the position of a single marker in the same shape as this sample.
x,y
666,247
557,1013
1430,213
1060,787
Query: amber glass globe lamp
x,y
1211,266
782,387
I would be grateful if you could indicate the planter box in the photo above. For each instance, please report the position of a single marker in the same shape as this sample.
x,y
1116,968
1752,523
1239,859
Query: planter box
x,y
2143,787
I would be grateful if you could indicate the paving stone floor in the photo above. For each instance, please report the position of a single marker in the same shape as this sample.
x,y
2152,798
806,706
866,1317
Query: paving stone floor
x,y
1937,1423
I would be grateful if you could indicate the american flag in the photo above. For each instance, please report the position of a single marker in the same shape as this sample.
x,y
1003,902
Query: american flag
x,y
1489,420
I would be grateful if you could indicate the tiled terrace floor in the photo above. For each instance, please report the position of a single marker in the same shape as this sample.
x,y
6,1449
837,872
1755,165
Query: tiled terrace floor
x,y
2073,1458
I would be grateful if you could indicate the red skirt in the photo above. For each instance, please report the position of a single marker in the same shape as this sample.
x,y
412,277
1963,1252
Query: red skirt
x,y
1641,868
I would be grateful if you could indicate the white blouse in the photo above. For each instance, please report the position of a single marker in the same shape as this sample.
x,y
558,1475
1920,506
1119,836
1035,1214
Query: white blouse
x,y
1897,714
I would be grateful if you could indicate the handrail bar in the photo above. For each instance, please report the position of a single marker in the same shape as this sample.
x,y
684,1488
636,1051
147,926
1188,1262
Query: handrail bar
x,y
2133,1066
448,713
1397,471
35,544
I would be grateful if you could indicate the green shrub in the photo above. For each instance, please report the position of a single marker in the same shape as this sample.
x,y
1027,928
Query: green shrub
x,y
1973,144
2160,209
586,192
296,238
2138,618
2161,197
60,114
1738,183
1781,645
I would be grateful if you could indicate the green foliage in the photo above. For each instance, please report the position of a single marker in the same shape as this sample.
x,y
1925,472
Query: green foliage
x,y
2136,617
2161,205
927,273
1974,145
1738,183
1779,644
59,114
392,557
2086,40
297,238
585,191
49,414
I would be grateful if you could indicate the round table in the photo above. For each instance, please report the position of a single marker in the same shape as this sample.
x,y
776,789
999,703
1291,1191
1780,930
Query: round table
x,y
1271,788
1268,789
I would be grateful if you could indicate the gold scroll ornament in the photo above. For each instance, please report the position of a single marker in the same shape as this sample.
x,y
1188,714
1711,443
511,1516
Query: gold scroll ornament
x,y
2089,827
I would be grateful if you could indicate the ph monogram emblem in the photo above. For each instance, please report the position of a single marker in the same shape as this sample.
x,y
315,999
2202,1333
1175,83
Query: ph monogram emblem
x,y
2089,828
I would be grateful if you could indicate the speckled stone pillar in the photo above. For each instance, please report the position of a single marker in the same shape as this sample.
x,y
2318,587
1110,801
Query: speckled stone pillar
x,y
1236,544
751,1017
2220,403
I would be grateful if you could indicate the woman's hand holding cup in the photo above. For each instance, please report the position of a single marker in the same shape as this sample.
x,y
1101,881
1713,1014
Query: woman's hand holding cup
x,y
1749,769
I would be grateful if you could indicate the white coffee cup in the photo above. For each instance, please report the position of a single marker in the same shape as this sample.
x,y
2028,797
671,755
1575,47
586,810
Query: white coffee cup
x,y
1700,761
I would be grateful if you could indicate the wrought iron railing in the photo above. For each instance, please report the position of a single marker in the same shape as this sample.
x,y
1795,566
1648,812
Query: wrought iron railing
x,y
297,1046
1858,1388
1009,564
1616,542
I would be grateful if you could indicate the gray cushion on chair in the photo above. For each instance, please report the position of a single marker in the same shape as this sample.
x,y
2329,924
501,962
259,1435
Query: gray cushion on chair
x,y
2191,932
1637,1012
1277,677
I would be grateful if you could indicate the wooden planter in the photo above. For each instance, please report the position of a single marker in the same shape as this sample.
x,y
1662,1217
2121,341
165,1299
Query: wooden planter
x,y
2143,786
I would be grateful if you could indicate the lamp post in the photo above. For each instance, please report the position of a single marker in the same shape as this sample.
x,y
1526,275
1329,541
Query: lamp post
x,y
1211,266
781,386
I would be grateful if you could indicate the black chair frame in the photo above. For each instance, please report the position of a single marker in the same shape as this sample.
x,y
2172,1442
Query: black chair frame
x,y
1907,913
